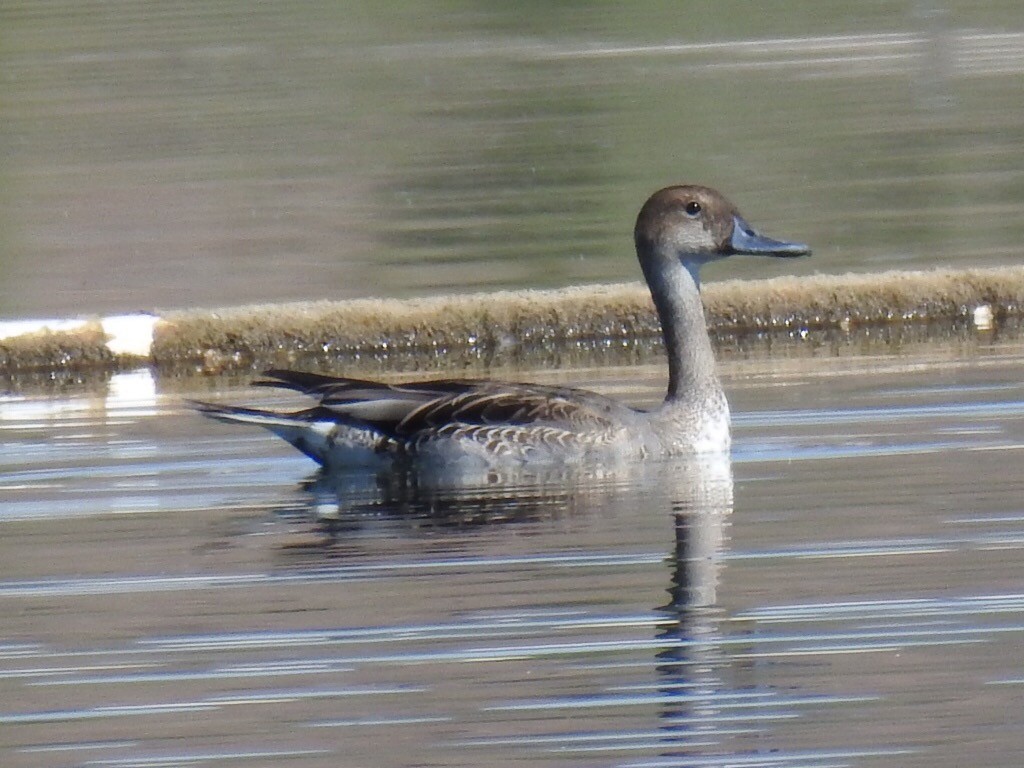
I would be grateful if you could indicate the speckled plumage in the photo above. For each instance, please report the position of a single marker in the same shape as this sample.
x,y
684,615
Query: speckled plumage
x,y
364,422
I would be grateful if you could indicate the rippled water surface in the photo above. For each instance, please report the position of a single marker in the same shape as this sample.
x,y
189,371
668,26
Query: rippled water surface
x,y
849,593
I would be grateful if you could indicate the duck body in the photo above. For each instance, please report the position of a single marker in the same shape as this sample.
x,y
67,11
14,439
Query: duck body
x,y
366,423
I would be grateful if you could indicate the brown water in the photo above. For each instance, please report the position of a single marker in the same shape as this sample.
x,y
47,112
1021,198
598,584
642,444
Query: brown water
x,y
166,155
171,594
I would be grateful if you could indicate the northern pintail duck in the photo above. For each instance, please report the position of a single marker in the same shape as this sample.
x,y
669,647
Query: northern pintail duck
x,y
357,422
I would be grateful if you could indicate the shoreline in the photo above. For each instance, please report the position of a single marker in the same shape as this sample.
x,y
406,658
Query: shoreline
x,y
468,326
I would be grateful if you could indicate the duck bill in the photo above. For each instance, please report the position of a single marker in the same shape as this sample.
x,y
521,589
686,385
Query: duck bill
x,y
746,240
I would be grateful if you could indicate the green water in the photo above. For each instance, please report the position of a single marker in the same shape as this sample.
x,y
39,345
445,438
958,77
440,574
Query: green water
x,y
164,155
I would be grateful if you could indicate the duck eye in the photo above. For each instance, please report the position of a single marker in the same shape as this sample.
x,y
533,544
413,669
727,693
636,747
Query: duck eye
x,y
692,208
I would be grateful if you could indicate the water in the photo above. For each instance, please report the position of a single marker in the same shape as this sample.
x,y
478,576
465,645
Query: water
x,y
847,593
176,592
170,155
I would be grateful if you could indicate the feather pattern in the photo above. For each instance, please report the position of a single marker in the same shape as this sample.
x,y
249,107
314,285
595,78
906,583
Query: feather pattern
x,y
356,421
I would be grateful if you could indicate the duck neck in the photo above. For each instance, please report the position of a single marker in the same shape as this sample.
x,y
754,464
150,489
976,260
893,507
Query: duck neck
x,y
691,361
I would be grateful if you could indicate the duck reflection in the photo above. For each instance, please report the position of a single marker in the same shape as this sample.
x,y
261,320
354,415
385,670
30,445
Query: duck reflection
x,y
695,495
692,660
343,502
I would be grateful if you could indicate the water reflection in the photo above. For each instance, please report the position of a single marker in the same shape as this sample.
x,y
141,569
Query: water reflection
x,y
689,664
574,617
457,498
689,667
255,153
696,495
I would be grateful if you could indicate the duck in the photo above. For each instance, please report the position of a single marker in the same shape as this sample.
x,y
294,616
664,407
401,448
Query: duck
x,y
356,422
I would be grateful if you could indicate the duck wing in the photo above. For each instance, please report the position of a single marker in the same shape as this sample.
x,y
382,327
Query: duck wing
x,y
508,404
417,408
374,403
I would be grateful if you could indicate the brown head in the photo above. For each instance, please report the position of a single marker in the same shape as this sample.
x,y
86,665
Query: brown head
x,y
698,224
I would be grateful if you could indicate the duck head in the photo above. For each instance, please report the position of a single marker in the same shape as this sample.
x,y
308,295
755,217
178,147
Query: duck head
x,y
695,225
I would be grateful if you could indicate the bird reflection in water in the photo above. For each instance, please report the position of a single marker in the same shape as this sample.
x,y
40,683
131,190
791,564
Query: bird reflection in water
x,y
691,666
691,662
342,503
